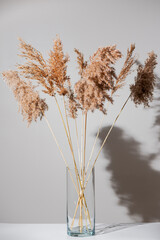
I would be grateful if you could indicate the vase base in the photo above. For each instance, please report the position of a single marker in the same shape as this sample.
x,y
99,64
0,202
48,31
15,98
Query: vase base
x,y
84,232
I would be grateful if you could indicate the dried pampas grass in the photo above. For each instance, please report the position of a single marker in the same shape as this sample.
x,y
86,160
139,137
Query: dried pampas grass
x,y
57,64
30,104
142,89
82,64
126,69
51,74
97,79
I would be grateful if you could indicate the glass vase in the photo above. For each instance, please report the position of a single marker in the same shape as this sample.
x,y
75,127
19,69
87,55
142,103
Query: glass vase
x,y
80,203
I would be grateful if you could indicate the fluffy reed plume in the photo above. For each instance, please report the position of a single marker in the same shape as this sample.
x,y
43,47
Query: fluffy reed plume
x,y
72,106
98,79
90,96
142,89
58,67
101,69
52,75
126,69
35,67
80,60
30,53
30,104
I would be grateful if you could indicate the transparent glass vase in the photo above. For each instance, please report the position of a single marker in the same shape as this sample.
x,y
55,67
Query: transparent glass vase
x,y
80,203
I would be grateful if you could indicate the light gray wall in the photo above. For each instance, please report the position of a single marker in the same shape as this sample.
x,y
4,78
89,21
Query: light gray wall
x,y
32,173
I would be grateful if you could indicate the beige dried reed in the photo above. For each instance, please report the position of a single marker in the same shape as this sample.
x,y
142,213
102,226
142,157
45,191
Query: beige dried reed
x,y
142,89
97,79
57,64
30,104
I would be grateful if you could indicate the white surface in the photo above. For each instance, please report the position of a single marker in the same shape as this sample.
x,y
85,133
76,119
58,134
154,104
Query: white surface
x,y
32,172
58,232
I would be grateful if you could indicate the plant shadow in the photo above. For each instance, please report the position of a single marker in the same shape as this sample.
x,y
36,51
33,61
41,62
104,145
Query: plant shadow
x,y
135,183
156,106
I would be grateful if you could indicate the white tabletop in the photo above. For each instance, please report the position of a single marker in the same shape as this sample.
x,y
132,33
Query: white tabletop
x,y
58,232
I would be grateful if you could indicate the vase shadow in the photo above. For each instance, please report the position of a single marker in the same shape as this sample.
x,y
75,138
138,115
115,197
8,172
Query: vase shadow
x,y
105,228
135,183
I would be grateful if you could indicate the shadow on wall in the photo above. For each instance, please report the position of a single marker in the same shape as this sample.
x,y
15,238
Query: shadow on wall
x,y
156,106
136,184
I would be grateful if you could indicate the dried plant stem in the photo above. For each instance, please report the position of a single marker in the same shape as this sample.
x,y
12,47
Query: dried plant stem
x,y
75,213
125,71
87,209
69,136
82,143
81,196
76,209
83,172
64,124
69,133
84,152
95,141
85,215
104,143
106,138
56,141
90,158
83,207
76,170
80,217
79,157
80,179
